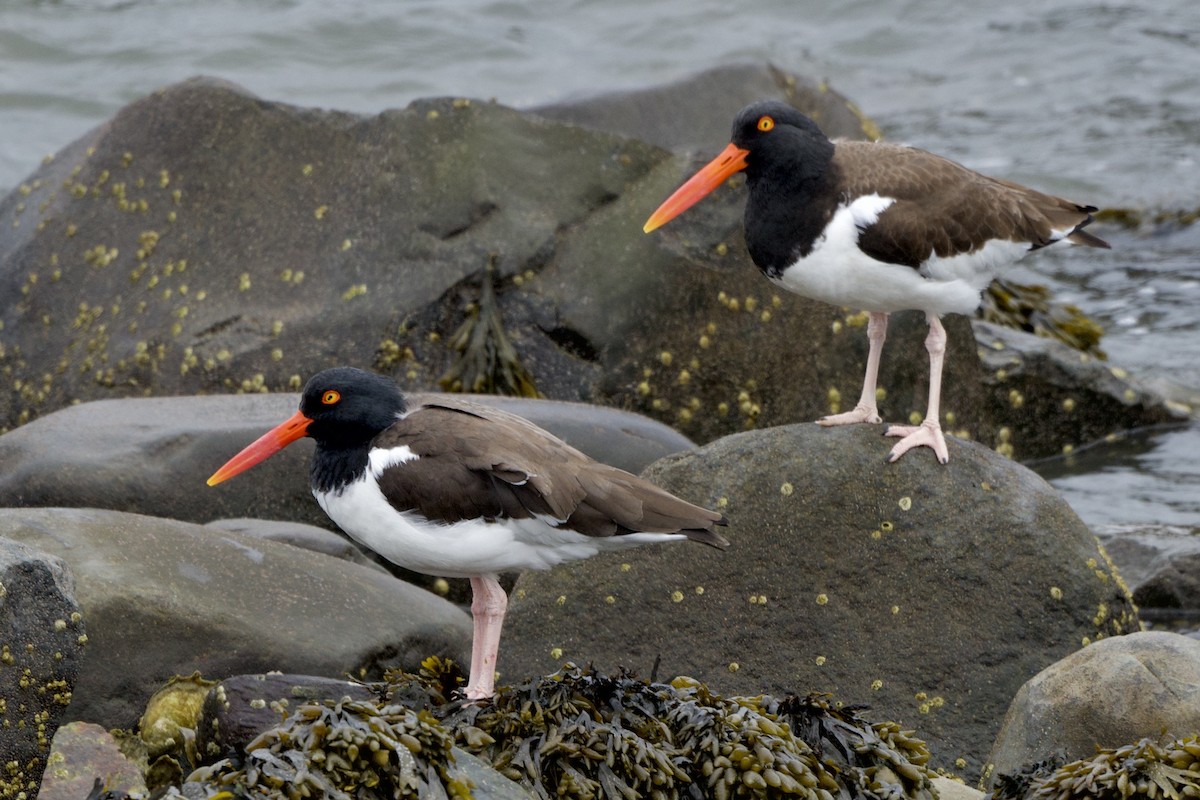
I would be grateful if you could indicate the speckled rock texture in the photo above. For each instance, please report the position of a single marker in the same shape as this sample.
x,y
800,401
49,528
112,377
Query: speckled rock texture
x,y
930,592
1110,694
205,240
42,638
164,598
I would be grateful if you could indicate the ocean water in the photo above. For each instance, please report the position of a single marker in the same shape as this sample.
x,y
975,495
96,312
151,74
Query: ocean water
x,y
1099,101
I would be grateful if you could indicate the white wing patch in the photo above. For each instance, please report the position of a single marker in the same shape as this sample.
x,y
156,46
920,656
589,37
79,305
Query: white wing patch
x,y
865,210
379,459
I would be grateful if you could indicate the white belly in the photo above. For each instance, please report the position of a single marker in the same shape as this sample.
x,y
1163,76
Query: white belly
x,y
836,271
466,548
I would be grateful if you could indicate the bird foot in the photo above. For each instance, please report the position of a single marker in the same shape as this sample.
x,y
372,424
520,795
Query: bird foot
x,y
476,695
860,413
927,434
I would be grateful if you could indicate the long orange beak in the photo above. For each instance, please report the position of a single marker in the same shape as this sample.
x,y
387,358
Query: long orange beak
x,y
265,446
731,160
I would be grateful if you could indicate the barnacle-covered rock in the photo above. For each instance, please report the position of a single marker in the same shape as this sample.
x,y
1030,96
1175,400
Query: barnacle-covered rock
x,y
241,707
879,583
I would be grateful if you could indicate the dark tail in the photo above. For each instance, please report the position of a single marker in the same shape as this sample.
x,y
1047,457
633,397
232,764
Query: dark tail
x,y
1080,236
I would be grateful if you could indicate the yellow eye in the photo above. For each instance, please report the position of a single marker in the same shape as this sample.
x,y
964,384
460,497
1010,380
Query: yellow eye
x,y
331,397
765,124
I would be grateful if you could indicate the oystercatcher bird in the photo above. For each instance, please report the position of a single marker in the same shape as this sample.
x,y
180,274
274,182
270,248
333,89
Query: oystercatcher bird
x,y
448,487
880,227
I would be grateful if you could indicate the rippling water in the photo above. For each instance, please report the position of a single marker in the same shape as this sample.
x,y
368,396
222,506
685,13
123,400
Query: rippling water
x,y
1099,101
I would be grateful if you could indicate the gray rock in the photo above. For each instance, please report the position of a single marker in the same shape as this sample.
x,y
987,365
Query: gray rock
x,y
1161,564
948,789
1046,395
1110,694
83,753
297,534
42,637
164,597
487,783
929,592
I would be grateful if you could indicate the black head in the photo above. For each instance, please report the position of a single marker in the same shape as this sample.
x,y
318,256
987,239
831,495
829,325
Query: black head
x,y
778,137
349,407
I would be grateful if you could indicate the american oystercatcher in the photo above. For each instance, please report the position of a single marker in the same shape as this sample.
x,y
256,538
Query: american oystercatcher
x,y
456,489
880,227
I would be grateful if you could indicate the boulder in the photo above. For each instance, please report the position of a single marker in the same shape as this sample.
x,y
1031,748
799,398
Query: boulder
x,y
929,592
42,638
694,113
1162,567
84,753
297,534
1113,693
204,239
1047,397
207,240
164,598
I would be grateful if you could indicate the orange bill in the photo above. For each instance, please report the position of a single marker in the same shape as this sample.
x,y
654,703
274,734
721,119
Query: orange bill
x,y
265,446
732,159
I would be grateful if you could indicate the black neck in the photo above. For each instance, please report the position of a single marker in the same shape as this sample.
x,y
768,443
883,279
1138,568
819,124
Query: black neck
x,y
789,205
334,468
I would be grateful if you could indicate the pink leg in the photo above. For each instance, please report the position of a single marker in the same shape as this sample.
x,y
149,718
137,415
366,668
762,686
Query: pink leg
x,y
487,612
866,410
929,432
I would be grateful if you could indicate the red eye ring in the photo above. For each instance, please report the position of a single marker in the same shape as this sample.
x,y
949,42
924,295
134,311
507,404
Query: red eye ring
x,y
766,123
330,397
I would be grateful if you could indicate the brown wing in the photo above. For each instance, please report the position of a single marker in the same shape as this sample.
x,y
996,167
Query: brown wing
x,y
944,208
474,459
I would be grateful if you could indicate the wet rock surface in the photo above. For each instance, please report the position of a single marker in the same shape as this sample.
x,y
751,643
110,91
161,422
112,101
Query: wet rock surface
x,y
1162,566
1048,397
163,597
